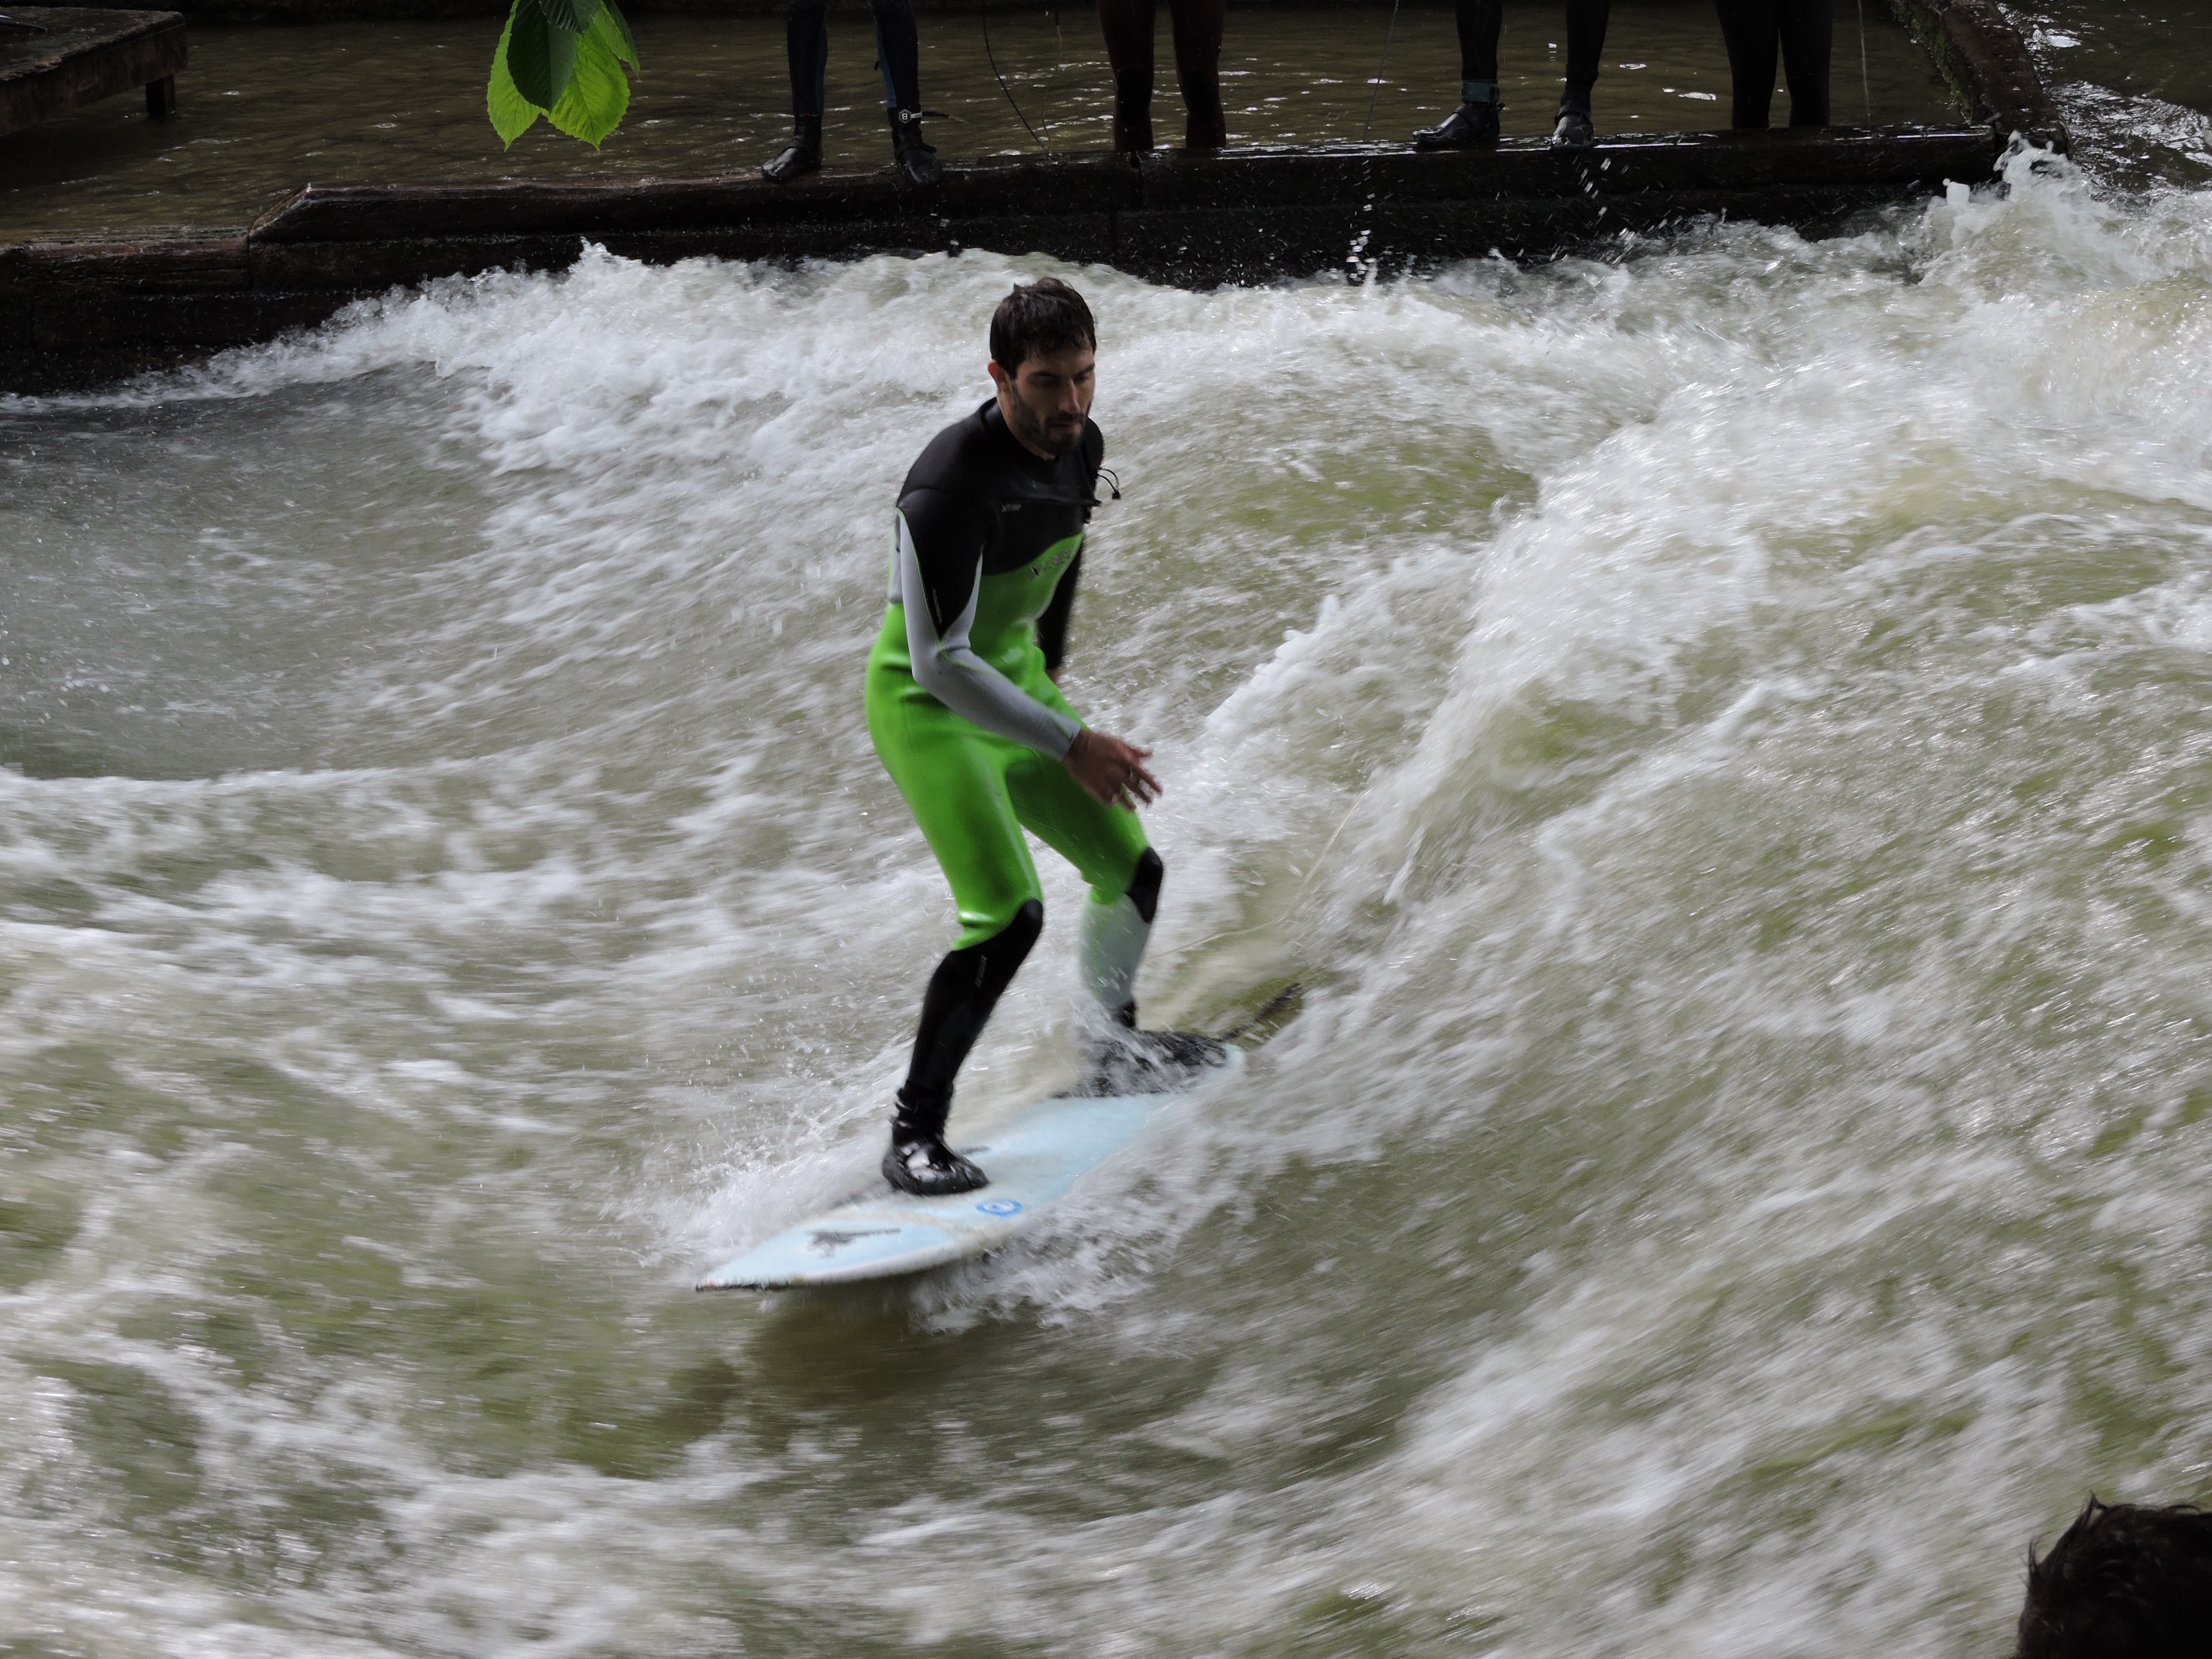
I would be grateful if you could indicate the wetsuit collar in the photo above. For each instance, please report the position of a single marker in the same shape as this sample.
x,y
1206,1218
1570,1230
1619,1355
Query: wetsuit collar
x,y
994,423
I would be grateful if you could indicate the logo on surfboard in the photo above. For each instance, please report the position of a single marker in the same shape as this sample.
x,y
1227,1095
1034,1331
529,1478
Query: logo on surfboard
x,y
828,1241
1001,1207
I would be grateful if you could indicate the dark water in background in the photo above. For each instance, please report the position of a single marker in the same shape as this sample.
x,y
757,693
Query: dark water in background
x,y
1724,730
267,110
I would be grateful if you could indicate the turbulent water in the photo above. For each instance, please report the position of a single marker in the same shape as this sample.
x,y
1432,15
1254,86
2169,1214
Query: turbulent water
x,y
1721,731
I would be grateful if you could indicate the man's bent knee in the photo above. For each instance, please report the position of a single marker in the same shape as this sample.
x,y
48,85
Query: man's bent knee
x,y
1019,935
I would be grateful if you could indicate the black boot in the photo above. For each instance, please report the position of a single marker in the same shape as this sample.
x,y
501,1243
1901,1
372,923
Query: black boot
x,y
1135,1062
1574,130
912,158
918,1161
962,993
1468,127
802,156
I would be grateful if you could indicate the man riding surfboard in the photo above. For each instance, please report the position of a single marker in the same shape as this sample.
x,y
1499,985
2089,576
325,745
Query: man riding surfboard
x,y
965,712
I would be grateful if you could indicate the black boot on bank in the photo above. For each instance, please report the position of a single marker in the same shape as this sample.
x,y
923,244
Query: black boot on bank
x,y
1575,129
915,161
1471,126
802,156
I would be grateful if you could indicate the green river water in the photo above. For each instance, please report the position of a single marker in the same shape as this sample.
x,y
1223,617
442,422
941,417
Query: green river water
x,y
1721,728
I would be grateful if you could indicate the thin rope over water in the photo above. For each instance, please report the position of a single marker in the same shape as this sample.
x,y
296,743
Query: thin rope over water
x,y
1866,86
1380,73
984,15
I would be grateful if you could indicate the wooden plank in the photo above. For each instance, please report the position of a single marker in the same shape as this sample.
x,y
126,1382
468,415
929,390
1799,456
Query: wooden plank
x,y
1523,168
1039,189
530,207
87,54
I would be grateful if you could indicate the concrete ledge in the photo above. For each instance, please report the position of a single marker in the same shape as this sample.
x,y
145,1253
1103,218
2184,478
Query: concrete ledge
x,y
1982,57
88,53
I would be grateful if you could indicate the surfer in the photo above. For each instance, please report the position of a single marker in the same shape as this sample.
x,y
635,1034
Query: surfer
x,y
1475,121
966,713
898,55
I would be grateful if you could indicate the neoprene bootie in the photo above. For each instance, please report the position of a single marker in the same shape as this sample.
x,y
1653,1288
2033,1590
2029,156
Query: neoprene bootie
x,y
1134,1062
918,1161
1470,126
912,157
1574,130
803,155
924,1165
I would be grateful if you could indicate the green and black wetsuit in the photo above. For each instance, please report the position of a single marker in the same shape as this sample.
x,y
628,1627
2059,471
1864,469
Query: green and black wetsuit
x,y
985,549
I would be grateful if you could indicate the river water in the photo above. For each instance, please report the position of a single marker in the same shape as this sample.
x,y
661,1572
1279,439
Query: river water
x,y
1721,729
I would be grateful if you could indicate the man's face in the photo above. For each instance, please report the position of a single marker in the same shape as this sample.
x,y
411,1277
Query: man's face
x,y
1049,398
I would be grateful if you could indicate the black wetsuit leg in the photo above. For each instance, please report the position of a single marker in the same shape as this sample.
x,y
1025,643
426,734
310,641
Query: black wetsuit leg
x,y
1748,28
1128,27
806,40
962,993
898,53
1586,23
1807,30
1198,26
1480,22
1802,33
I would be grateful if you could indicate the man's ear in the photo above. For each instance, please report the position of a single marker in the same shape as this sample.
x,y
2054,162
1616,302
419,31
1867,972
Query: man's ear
x,y
1000,378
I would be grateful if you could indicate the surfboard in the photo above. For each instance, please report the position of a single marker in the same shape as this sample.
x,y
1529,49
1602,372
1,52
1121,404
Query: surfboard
x,y
1034,1157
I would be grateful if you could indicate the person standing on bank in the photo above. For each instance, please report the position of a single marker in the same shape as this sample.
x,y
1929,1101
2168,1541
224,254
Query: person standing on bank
x,y
1475,121
967,717
1197,25
1803,30
898,55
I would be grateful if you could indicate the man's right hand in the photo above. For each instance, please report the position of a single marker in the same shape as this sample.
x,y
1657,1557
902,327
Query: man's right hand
x,y
1111,770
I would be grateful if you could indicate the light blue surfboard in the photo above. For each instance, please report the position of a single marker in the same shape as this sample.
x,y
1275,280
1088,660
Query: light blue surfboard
x,y
1033,1158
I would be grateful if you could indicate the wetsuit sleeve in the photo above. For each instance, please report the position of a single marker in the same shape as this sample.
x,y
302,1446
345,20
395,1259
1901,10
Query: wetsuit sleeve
x,y
1052,626
940,565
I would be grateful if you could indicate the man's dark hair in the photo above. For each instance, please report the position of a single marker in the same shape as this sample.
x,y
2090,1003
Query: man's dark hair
x,y
2126,1581
1037,319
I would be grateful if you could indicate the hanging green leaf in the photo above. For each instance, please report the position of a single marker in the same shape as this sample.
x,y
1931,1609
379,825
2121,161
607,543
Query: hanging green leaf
x,y
574,15
611,19
572,77
539,57
599,91
512,114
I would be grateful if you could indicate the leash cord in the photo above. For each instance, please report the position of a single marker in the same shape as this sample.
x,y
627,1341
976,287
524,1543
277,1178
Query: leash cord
x,y
1865,85
984,13
1387,34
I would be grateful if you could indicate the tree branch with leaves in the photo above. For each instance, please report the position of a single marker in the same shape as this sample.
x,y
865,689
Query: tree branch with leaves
x,y
565,60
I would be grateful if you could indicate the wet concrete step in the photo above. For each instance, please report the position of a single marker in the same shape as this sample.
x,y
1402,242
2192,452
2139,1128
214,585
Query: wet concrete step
x,y
83,54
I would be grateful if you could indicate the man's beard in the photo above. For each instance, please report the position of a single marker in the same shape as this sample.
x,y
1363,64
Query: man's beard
x,y
1035,431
